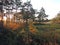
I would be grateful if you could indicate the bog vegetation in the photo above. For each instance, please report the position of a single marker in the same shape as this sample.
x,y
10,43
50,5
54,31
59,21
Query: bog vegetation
x,y
26,29
34,34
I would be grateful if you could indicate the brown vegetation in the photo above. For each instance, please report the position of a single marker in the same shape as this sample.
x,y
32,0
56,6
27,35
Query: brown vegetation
x,y
14,26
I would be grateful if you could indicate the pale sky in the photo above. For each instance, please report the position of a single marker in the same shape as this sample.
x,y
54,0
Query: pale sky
x,y
52,7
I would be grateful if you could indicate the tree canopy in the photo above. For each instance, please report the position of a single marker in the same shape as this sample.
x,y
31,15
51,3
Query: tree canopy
x,y
42,15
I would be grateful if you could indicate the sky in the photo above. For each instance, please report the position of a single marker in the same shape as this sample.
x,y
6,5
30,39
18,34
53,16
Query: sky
x,y
52,7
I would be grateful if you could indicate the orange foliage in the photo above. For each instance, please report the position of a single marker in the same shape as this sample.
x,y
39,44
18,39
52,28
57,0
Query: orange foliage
x,y
32,28
14,26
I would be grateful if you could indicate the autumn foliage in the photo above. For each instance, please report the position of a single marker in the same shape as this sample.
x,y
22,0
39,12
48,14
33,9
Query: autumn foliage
x,y
14,26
